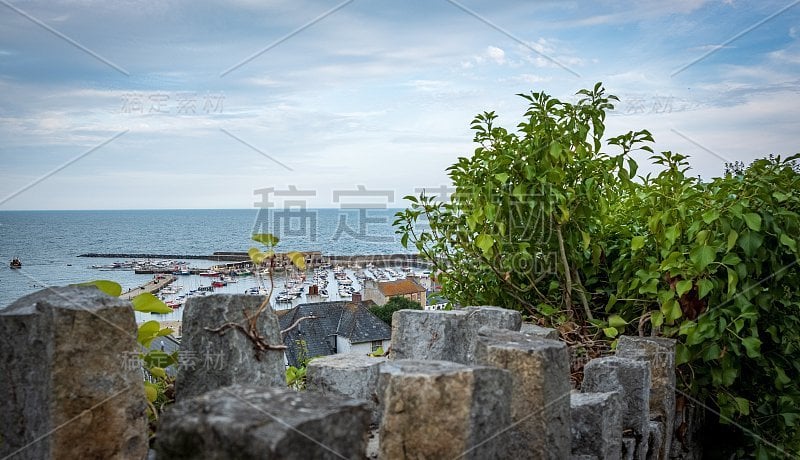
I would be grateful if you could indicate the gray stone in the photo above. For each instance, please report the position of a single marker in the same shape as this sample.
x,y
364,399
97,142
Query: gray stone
x,y
249,422
655,440
629,448
350,375
660,353
446,335
538,331
226,358
440,409
540,402
421,334
596,425
71,381
632,379
485,316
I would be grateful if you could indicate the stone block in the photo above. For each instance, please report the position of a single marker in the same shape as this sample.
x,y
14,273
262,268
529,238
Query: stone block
x,y
249,422
446,335
350,375
227,358
540,394
440,409
629,447
655,442
71,381
538,331
596,425
660,353
631,378
426,334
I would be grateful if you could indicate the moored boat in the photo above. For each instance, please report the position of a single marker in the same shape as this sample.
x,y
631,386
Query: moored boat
x,y
15,263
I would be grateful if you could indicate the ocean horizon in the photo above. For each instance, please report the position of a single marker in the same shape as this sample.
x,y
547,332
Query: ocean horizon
x,y
49,242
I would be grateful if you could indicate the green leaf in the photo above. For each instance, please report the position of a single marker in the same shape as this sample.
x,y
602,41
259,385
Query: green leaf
x,y
704,286
555,150
147,332
671,310
657,318
256,256
150,391
637,242
616,321
158,372
610,332
750,242
148,303
702,256
732,237
710,216
485,242
711,353
682,287
502,177
298,259
753,346
733,278
781,197
586,240
787,240
731,259
109,287
682,354
266,238
672,233
742,405
752,220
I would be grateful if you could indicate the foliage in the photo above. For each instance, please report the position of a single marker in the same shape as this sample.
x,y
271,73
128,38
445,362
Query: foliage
x,y
296,375
545,220
385,312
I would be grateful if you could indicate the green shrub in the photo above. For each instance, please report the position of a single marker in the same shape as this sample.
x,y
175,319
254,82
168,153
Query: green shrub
x,y
547,221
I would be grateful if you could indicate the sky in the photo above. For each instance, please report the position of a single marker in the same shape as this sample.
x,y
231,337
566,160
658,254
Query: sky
x,y
242,103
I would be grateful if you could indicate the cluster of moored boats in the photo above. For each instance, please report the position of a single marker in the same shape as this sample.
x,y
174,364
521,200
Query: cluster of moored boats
x,y
181,299
292,287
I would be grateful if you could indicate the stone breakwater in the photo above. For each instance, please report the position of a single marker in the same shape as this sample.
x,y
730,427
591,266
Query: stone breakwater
x,y
473,383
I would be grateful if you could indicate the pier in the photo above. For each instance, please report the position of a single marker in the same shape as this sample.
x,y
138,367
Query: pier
x,y
152,287
313,259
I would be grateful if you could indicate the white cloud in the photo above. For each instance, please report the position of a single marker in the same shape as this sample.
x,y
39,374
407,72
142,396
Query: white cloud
x,y
496,54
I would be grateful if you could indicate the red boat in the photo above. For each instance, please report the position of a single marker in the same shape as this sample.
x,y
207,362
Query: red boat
x,y
219,283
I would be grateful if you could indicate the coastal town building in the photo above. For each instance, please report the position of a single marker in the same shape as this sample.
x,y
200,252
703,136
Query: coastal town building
x,y
381,291
331,328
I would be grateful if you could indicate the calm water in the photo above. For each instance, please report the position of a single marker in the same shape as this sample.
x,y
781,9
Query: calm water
x,y
49,242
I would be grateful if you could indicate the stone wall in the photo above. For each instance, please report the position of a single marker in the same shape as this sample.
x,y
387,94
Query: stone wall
x,y
473,383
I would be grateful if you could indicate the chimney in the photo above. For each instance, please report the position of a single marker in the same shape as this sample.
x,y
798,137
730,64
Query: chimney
x,y
356,296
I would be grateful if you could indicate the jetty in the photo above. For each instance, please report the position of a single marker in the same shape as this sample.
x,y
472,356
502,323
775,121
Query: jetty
x,y
242,259
152,287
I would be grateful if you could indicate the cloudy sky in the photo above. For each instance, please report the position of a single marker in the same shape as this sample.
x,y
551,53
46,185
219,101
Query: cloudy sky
x,y
186,104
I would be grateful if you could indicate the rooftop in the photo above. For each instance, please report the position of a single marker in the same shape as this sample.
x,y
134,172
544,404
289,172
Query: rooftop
x,y
351,320
399,287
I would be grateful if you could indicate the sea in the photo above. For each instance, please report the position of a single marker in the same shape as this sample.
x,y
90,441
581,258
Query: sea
x,y
49,243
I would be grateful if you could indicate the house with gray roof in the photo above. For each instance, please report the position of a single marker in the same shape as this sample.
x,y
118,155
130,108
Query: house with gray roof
x,y
337,327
